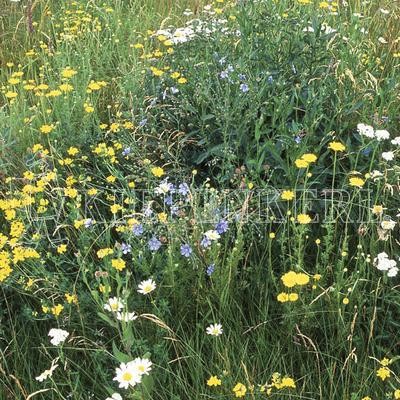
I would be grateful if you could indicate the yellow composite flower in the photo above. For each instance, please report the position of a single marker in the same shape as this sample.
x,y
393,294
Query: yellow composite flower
x,y
356,181
309,157
303,219
118,263
287,195
337,146
46,129
214,381
239,390
301,163
157,172
383,373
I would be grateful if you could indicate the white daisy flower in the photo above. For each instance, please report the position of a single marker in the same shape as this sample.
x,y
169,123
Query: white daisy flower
x,y
115,396
146,287
127,376
126,316
212,235
388,224
142,366
114,304
214,330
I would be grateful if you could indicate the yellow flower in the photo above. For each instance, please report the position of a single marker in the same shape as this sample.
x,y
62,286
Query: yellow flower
x,y
175,75
355,181
239,390
293,296
71,298
72,151
118,263
302,279
115,208
182,80
303,219
157,171
272,235
377,209
11,95
309,157
214,381
46,128
68,72
397,394
336,146
385,362
111,179
301,163
57,309
104,252
287,195
383,373
346,301
62,248
283,297
323,4
289,279
71,192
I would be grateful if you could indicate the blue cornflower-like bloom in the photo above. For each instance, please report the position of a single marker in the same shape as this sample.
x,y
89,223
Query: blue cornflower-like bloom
x,y
168,200
297,139
205,242
270,79
88,223
223,74
244,87
210,269
154,244
137,229
143,122
186,250
183,189
221,226
242,77
126,248
126,151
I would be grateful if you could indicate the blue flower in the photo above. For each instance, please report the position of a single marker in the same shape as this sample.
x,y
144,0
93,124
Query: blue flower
x,y
223,74
143,122
297,139
183,189
126,151
221,226
242,77
137,229
186,250
244,87
270,79
210,269
88,223
126,248
205,242
168,200
154,244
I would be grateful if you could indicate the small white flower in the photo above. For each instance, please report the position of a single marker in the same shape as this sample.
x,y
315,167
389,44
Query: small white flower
x,y
384,11
384,263
214,330
146,287
57,336
392,272
126,316
49,372
382,134
127,376
141,365
308,29
212,235
114,304
396,141
388,224
382,40
388,155
365,130
115,396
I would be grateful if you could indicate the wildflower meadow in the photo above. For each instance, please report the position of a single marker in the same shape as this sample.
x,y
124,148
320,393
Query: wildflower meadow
x,y
199,199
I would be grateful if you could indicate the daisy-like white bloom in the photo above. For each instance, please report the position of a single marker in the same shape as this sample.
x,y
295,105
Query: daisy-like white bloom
x,y
146,287
126,316
57,336
115,396
388,224
388,155
141,365
114,304
127,375
382,134
366,130
49,372
212,235
214,330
